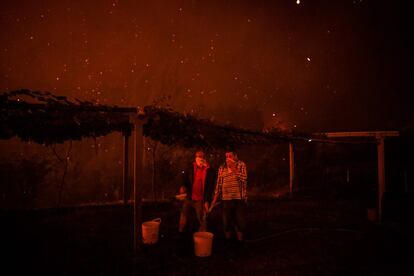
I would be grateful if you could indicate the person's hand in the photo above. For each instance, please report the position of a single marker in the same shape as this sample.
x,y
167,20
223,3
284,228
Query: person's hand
x,y
183,190
214,199
232,165
206,206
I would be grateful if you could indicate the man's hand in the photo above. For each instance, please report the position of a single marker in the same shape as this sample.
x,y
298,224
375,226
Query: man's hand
x,y
214,199
232,166
183,190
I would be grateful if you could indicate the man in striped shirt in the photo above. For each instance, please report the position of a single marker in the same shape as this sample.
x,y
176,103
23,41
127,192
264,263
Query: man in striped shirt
x,y
231,187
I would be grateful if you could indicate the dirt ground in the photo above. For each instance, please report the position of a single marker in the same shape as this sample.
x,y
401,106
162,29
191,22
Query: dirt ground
x,y
305,235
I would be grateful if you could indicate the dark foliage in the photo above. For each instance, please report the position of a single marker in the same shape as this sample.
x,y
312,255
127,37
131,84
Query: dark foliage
x,y
50,119
172,128
47,119
22,179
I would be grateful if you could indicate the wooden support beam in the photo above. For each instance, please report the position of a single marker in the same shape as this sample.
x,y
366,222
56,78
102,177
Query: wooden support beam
x,y
291,169
381,175
125,177
138,182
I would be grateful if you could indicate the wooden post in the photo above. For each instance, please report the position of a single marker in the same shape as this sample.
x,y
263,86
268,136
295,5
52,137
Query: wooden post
x,y
405,180
138,182
126,135
347,176
381,175
291,169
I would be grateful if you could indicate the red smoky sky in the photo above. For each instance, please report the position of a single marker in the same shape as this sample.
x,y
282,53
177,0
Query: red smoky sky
x,y
314,65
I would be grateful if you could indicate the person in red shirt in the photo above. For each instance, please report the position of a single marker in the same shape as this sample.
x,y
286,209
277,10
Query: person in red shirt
x,y
198,184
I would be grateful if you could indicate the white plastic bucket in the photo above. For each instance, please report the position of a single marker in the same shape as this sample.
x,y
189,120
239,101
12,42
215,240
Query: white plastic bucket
x,y
150,231
203,242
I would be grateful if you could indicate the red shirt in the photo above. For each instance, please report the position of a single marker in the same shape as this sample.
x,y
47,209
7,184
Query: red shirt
x,y
199,181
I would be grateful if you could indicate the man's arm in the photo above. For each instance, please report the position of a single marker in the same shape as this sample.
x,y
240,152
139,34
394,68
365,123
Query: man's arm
x,y
209,185
241,171
219,183
242,176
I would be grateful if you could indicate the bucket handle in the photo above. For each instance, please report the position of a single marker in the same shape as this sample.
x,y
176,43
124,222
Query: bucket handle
x,y
157,220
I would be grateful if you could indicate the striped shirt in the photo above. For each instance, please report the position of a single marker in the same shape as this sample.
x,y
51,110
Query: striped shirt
x,y
232,184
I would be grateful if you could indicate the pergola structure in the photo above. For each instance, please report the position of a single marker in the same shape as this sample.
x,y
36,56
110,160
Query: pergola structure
x,y
47,119
57,119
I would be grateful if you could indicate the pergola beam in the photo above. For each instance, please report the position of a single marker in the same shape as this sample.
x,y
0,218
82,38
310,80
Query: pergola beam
x,y
138,180
125,167
291,168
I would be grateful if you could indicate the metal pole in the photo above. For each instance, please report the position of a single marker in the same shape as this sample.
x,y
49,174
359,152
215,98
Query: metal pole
x,y
381,175
291,169
125,169
138,183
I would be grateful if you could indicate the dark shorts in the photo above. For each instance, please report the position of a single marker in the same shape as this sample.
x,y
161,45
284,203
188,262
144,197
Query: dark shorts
x,y
234,215
198,206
